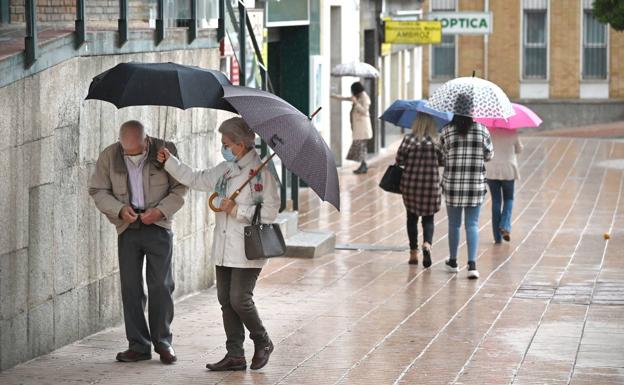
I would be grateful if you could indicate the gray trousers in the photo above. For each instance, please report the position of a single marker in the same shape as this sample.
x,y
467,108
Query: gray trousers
x,y
153,244
235,288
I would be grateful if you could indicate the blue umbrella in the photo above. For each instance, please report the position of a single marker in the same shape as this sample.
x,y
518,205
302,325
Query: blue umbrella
x,y
402,113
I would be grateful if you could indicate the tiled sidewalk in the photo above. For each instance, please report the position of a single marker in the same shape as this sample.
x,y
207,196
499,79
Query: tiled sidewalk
x,y
546,309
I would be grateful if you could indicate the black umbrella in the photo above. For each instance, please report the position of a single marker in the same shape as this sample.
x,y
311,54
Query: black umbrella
x,y
160,84
292,136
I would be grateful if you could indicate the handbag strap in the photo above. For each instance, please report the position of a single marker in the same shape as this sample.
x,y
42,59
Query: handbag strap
x,y
257,214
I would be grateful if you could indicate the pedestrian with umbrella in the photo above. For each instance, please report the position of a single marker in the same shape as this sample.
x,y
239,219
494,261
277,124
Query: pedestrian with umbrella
x,y
502,171
361,127
235,274
130,188
467,146
420,155
241,185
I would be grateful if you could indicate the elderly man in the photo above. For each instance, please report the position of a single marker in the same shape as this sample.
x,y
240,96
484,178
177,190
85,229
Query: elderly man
x,y
136,195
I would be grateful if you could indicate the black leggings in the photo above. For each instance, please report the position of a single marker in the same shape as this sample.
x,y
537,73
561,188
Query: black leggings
x,y
412,229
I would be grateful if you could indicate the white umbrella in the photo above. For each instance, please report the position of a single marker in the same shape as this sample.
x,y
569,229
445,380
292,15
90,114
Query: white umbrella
x,y
471,96
357,69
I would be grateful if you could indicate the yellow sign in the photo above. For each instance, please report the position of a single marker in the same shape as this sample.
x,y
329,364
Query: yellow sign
x,y
386,49
413,32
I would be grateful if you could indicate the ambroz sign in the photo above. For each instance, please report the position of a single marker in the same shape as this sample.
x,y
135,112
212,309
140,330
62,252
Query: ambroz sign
x,y
412,32
464,23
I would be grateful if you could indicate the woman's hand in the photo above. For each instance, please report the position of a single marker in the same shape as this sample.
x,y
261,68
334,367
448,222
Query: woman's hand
x,y
353,99
227,205
163,155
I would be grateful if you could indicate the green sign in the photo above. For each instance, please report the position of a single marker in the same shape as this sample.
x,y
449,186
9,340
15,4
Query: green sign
x,y
282,13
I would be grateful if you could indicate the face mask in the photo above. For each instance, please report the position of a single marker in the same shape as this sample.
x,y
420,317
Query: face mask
x,y
228,155
136,159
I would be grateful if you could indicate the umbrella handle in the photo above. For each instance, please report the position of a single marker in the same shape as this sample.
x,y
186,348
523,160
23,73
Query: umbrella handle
x,y
215,195
238,191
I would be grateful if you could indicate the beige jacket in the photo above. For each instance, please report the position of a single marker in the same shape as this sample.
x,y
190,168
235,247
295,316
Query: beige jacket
x,y
109,188
360,116
228,245
504,166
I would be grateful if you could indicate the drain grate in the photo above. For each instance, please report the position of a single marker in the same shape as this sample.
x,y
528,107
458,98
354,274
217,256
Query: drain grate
x,y
368,247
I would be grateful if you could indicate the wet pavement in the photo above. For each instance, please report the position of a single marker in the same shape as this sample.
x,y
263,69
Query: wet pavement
x,y
548,308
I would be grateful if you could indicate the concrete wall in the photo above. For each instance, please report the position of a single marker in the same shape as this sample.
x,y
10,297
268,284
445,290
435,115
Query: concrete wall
x,y
576,113
58,255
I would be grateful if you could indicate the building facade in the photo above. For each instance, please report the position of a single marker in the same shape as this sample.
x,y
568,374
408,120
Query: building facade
x,y
552,54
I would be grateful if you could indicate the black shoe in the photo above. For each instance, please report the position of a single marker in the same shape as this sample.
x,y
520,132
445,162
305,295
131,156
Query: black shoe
x,y
506,234
228,363
132,356
426,257
473,273
451,266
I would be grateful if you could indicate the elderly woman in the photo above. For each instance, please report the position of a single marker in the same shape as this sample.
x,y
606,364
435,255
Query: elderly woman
x,y
236,275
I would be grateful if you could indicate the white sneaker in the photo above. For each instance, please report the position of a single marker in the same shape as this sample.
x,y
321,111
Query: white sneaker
x,y
473,273
451,266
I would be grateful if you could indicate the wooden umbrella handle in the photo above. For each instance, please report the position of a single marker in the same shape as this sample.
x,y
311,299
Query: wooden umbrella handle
x,y
238,191
215,195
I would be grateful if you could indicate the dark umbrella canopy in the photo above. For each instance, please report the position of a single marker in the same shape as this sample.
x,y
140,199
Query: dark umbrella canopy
x,y
292,136
160,84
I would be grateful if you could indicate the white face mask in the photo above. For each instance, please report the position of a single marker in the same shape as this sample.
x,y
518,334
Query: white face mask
x,y
136,159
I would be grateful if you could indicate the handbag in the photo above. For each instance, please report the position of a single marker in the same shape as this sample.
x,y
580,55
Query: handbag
x,y
391,180
263,240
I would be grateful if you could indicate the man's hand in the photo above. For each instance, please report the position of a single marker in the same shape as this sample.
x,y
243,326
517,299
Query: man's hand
x,y
128,215
151,216
227,205
163,155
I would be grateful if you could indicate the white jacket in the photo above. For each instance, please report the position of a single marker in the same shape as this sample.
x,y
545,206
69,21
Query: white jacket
x,y
504,166
228,247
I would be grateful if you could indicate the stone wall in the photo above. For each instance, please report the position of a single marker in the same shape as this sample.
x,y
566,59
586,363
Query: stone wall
x,y
58,255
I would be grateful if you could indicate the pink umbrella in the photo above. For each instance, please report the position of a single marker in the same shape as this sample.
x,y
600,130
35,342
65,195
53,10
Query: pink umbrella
x,y
524,117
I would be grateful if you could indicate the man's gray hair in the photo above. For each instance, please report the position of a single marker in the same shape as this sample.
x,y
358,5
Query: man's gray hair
x,y
237,130
131,124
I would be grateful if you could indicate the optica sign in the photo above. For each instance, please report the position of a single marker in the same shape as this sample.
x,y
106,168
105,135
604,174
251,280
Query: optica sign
x,y
464,23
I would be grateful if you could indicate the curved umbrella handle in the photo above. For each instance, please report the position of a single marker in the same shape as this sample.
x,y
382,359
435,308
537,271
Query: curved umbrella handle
x,y
211,204
215,195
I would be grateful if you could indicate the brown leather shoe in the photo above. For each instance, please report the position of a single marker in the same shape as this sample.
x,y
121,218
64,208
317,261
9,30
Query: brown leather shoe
x,y
228,363
132,356
167,355
261,357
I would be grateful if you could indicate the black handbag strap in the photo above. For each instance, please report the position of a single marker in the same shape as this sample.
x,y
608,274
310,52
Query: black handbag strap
x,y
257,214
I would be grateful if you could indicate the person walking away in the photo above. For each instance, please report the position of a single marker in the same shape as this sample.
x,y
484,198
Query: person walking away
x,y
361,127
140,199
501,173
467,146
420,155
236,275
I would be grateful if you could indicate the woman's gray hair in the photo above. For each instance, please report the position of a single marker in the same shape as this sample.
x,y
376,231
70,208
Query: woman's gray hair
x,y
237,130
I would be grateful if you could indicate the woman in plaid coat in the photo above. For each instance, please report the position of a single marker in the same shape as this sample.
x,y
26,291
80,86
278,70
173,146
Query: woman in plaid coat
x,y
421,156
467,146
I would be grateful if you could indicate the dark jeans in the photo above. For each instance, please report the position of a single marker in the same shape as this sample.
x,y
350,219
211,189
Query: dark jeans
x,y
412,229
502,203
153,244
235,288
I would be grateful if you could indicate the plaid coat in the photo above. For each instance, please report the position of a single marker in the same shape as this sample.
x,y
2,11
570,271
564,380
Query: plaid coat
x,y
420,183
463,181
